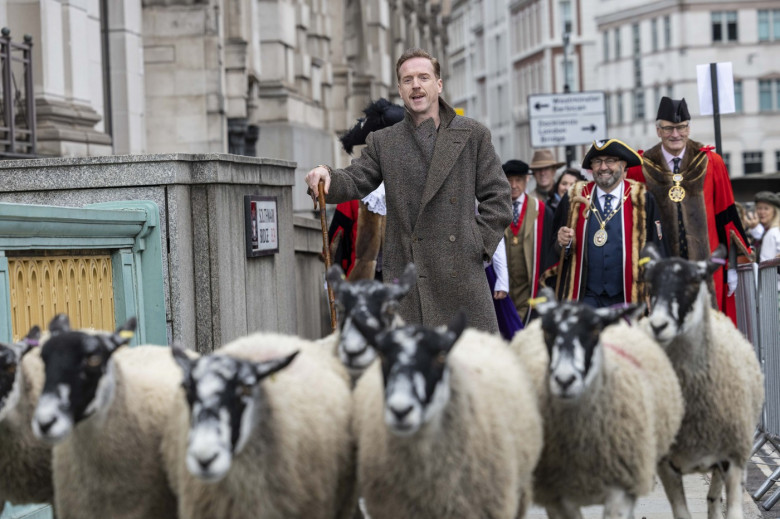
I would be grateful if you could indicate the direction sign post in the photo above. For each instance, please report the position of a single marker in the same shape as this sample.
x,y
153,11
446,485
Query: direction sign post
x,y
567,119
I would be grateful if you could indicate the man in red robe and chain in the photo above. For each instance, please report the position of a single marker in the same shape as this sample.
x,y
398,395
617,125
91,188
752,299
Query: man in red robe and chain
x,y
692,188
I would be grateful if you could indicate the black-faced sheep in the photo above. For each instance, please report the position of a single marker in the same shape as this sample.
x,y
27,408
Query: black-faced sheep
x,y
447,426
720,377
610,403
377,304
25,461
103,407
250,439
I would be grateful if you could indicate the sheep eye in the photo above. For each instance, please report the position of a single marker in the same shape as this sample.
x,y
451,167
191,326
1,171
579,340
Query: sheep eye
x,y
441,358
244,390
10,369
94,361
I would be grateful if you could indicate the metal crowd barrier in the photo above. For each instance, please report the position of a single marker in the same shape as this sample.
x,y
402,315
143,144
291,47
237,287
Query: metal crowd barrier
x,y
758,318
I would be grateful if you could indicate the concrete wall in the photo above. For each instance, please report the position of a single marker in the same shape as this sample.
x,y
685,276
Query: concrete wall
x,y
213,292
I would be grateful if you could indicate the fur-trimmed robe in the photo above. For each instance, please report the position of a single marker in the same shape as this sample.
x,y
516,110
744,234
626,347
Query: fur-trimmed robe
x,y
641,223
708,204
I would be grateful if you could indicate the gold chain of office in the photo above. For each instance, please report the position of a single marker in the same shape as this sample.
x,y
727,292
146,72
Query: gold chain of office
x,y
600,237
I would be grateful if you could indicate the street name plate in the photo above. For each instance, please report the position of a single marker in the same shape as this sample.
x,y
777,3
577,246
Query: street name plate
x,y
567,119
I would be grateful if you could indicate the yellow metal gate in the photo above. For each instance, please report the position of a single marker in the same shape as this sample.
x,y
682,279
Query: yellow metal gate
x,y
79,285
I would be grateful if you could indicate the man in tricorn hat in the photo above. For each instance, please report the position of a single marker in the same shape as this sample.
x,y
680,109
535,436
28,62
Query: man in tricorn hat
x,y
601,227
692,187
525,239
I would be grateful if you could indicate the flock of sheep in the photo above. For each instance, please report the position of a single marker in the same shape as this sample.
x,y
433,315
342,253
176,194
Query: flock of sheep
x,y
583,407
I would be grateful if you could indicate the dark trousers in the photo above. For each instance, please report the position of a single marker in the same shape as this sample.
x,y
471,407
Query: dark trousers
x,y
601,300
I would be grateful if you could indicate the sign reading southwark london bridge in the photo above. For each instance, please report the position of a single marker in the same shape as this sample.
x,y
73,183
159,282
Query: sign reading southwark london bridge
x,y
567,119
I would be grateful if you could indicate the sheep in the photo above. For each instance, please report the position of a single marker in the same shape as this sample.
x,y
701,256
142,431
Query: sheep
x,y
610,402
371,298
446,425
25,461
102,407
720,377
251,439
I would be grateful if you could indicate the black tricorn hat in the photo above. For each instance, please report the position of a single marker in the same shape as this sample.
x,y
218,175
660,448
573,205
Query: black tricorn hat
x,y
612,148
379,114
516,167
672,110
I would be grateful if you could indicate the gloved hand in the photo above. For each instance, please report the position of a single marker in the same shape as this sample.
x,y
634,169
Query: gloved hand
x,y
732,277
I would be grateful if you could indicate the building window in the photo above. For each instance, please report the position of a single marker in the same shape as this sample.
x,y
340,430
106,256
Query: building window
x,y
656,96
565,7
639,105
738,96
753,162
727,160
606,45
636,39
608,109
667,32
724,25
768,95
637,71
617,43
769,25
669,91
654,33
619,108
777,161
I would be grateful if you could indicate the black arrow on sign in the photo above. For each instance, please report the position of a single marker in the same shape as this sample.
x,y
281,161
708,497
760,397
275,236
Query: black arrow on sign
x,y
539,106
591,128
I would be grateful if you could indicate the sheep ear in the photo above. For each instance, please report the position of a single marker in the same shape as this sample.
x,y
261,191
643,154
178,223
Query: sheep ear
x,y
613,314
59,324
406,281
31,340
456,326
124,333
546,301
717,260
649,256
269,367
335,277
182,359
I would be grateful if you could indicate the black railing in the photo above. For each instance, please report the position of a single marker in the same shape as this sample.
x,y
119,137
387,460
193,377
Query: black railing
x,y
17,102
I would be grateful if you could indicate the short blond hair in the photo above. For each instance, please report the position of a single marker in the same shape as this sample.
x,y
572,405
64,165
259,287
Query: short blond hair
x,y
416,52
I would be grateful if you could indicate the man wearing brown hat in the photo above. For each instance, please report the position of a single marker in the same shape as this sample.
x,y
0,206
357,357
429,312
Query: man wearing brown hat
x,y
526,238
692,187
543,166
600,229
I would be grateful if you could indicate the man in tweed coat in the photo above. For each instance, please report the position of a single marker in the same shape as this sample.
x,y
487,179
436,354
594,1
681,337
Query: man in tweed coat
x,y
434,165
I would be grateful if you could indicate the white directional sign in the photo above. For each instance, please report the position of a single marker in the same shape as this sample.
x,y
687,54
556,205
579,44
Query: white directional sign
x,y
567,119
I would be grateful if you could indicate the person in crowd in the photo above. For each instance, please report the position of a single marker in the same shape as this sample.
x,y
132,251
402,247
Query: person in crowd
x,y
692,187
509,321
543,166
753,228
768,211
434,165
525,239
601,227
562,185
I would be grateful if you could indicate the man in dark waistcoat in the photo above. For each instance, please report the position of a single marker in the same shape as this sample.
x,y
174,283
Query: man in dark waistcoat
x,y
602,226
693,190
434,165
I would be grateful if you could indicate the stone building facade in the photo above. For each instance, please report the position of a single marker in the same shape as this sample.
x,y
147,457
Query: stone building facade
x,y
266,78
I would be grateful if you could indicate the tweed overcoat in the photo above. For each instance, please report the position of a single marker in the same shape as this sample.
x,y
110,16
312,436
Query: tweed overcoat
x,y
430,212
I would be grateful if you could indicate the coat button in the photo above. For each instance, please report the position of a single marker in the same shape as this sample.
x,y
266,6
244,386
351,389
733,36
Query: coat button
x,y
453,200
452,237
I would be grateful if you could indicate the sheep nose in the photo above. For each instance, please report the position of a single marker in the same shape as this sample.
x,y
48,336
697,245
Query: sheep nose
x,y
401,413
564,383
45,426
657,329
204,464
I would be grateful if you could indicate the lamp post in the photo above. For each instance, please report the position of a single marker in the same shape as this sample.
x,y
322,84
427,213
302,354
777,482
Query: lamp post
x,y
566,87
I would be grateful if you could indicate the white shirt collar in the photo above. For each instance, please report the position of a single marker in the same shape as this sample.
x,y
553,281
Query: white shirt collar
x,y
617,192
668,157
520,199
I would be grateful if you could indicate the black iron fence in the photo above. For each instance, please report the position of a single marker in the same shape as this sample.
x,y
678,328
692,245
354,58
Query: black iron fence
x,y
17,102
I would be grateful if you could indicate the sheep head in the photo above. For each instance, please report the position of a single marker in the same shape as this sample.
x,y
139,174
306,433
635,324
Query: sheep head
x,y
10,359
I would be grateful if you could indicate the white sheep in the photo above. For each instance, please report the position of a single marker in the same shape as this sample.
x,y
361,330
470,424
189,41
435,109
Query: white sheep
x,y
610,402
720,377
250,439
447,426
25,461
103,407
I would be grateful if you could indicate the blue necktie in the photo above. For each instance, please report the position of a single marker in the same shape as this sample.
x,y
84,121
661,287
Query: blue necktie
x,y
515,211
608,204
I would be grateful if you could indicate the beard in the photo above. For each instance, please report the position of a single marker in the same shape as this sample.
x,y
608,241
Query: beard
x,y
607,182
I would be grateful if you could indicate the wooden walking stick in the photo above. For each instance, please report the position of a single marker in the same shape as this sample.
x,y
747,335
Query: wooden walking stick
x,y
326,251
569,223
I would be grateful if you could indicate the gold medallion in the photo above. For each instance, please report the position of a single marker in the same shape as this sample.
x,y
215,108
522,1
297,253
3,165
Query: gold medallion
x,y
677,177
600,238
676,193
515,241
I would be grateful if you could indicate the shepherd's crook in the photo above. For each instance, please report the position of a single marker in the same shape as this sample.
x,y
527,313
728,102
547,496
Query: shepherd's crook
x,y
326,252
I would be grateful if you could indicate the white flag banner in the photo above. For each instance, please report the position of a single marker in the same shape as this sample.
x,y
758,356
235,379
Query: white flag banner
x,y
725,77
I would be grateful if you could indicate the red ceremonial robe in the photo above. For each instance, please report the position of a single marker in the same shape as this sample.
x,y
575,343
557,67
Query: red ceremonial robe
x,y
722,220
